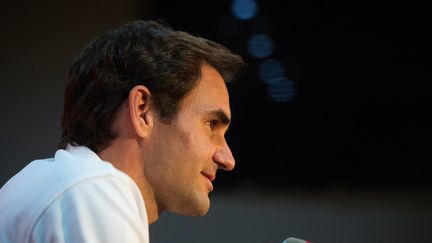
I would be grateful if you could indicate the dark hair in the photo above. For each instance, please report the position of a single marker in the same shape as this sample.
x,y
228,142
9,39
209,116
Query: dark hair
x,y
148,53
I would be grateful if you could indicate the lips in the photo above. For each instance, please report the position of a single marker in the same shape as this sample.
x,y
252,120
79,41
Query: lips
x,y
211,177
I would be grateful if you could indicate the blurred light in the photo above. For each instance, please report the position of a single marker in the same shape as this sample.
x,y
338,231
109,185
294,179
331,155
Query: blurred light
x,y
270,69
244,9
260,45
282,89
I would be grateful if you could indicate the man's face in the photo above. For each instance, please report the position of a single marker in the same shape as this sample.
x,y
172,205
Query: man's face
x,y
186,153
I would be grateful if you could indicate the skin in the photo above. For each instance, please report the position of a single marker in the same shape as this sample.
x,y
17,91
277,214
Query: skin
x,y
173,164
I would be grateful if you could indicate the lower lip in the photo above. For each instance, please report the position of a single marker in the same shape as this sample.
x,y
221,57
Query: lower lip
x,y
209,183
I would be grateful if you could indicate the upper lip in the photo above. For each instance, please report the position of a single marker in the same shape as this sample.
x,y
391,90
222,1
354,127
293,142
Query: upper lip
x,y
211,177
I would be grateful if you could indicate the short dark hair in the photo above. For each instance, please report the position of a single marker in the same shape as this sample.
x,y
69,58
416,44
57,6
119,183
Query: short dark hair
x,y
148,53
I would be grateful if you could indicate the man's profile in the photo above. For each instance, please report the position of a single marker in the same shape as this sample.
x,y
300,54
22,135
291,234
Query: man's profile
x,y
145,113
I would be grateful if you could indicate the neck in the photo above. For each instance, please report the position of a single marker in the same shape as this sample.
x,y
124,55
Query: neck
x,y
125,155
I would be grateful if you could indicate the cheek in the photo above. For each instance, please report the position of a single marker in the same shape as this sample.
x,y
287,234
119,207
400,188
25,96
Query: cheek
x,y
204,148
186,148
165,154
191,139
196,150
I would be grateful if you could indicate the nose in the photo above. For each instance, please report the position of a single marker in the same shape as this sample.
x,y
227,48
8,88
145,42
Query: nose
x,y
224,158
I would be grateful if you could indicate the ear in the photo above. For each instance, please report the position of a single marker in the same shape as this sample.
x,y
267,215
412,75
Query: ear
x,y
140,110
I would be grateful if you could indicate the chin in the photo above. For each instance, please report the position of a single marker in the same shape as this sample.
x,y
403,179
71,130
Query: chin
x,y
202,212
196,208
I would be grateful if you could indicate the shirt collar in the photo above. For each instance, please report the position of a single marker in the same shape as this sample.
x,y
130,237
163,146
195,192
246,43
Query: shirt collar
x,y
78,150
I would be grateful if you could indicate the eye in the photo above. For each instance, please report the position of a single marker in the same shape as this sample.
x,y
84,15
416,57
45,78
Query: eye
x,y
212,124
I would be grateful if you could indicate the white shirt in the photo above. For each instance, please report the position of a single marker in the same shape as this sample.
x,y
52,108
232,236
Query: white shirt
x,y
73,197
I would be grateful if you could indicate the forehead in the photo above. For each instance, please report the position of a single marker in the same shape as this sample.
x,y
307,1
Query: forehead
x,y
210,94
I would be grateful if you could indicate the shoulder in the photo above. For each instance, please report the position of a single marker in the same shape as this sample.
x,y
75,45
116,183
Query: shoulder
x,y
97,209
75,180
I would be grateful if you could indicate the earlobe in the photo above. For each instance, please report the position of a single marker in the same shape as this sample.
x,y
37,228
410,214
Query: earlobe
x,y
140,110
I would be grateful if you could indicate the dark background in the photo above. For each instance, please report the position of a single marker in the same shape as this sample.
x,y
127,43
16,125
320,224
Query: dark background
x,y
345,160
360,70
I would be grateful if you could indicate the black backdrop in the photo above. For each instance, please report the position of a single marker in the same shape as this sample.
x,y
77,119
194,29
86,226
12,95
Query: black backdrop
x,y
360,72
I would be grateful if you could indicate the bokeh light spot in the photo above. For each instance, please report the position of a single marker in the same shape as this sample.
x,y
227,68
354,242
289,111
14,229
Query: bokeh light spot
x,y
269,70
282,90
260,46
244,9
